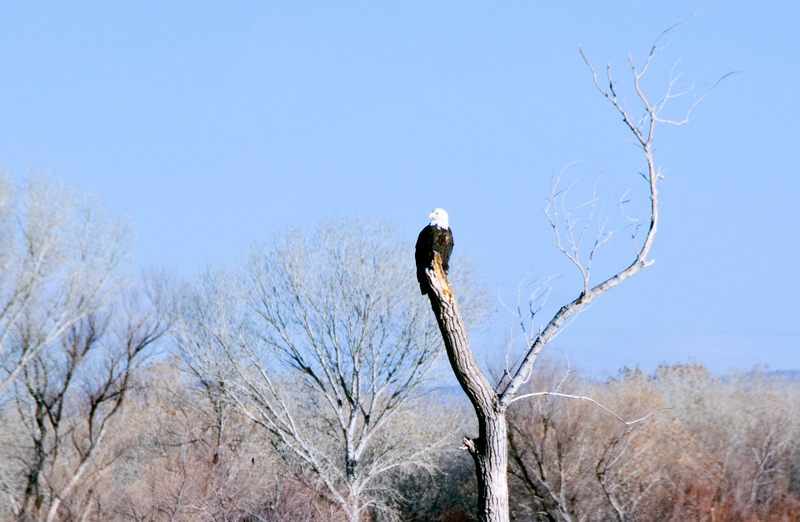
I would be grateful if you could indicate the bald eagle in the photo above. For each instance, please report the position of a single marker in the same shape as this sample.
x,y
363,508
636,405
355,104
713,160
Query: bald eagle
x,y
436,237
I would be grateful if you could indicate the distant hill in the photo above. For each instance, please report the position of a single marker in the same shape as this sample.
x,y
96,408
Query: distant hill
x,y
791,375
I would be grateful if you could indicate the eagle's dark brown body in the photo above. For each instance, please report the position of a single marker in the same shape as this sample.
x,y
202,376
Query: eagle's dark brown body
x,y
432,239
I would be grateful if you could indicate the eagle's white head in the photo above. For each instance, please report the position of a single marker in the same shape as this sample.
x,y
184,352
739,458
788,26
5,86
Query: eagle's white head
x,y
439,218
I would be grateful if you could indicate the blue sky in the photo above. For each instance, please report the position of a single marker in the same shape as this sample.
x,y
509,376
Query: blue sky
x,y
210,124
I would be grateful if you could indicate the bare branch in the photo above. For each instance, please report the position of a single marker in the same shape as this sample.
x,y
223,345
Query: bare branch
x,y
629,424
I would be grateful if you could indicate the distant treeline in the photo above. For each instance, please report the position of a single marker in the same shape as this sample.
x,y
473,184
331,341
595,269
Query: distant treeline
x,y
710,448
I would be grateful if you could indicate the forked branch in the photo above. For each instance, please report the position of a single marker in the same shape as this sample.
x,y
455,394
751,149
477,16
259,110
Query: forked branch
x,y
643,132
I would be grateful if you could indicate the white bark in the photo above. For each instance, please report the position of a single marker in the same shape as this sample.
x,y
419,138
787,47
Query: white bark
x,y
489,450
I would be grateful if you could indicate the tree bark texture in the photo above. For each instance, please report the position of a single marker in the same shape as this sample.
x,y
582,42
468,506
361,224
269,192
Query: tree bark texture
x,y
490,449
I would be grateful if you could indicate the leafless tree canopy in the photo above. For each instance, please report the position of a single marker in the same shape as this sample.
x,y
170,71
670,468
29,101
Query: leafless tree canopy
x,y
717,449
323,341
64,402
722,447
60,259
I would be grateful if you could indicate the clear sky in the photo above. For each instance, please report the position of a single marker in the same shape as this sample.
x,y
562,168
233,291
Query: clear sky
x,y
210,124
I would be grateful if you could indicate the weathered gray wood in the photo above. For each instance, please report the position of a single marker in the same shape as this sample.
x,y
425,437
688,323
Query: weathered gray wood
x,y
490,449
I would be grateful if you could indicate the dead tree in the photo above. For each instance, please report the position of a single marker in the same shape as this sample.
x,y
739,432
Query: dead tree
x,y
489,449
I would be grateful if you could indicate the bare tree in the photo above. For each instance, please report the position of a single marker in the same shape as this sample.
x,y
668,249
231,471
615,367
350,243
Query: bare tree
x,y
745,428
489,450
69,394
571,461
60,258
321,341
188,455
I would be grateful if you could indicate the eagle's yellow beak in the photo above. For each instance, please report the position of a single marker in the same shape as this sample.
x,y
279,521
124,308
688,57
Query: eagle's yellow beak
x,y
432,214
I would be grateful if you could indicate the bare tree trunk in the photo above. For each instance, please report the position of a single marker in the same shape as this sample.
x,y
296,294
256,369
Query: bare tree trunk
x,y
351,509
490,449
490,453
53,512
